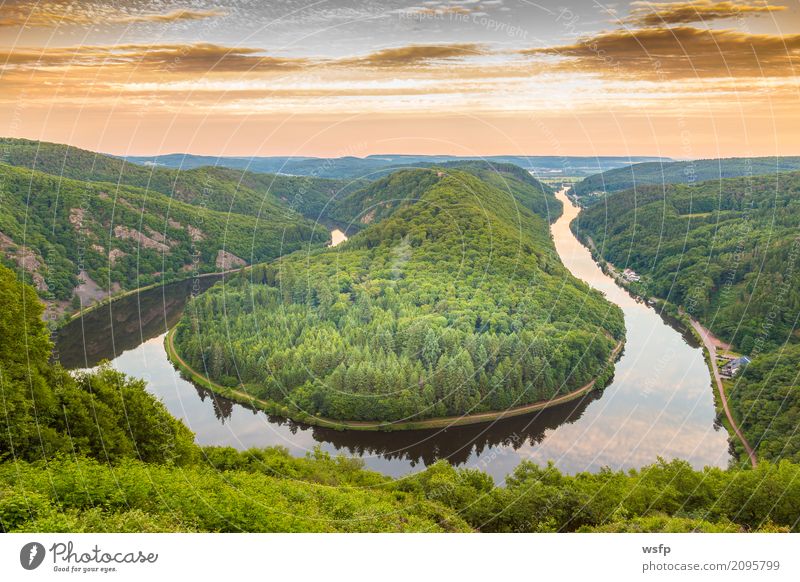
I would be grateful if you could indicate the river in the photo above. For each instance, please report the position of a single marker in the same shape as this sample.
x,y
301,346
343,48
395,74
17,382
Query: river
x,y
660,402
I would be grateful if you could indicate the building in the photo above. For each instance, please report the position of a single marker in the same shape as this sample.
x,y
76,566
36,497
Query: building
x,y
734,366
630,276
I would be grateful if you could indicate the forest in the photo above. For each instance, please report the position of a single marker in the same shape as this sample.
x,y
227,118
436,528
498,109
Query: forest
x,y
228,190
595,187
124,235
95,452
455,302
69,215
728,253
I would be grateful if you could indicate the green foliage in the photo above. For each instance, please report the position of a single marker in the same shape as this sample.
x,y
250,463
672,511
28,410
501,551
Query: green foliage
x,y
96,453
534,195
67,224
45,410
595,187
666,496
455,302
728,253
78,495
65,206
766,396
25,393
213,188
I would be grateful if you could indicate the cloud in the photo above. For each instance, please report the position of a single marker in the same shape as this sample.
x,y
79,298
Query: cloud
x,y
681,52
415,55
174,16
52,14
192,58
206,57
657,14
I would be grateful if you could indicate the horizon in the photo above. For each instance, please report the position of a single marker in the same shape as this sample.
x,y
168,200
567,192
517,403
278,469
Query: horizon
x,y
410,154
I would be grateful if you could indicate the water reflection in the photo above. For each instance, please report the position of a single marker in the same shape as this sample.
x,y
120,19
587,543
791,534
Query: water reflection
x,y
111,329
659,403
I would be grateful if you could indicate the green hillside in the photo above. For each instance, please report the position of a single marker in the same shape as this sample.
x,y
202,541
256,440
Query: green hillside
x,y
595,187
727,252
377,200
456,302
55,231
214,188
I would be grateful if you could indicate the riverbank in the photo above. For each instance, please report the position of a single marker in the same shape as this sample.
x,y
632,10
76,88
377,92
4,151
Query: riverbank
x,y
704,337
243,397
112,298
710,343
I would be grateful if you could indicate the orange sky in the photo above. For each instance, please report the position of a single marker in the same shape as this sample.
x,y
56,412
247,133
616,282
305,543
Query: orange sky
x,y
691,79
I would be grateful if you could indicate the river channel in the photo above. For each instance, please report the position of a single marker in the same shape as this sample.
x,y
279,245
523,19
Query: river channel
x,y
660,402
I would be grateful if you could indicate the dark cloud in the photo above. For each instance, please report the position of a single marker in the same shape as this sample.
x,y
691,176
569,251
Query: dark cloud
x,y
415,55
682,52
193,58
51,14
206,57
657,13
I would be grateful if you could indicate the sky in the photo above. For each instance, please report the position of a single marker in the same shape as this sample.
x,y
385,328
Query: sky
x,y
683,79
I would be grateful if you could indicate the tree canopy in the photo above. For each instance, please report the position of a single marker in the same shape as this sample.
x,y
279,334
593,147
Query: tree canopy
x,y
452,301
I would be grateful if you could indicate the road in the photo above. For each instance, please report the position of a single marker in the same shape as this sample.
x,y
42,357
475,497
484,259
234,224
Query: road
x,y
710,344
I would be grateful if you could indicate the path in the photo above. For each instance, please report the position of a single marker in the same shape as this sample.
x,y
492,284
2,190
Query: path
x,y
710,342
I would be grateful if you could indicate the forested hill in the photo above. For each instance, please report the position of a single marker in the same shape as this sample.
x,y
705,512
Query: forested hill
x,y
728,252
455,303
595,187
214,188
380,198
528,191
125,237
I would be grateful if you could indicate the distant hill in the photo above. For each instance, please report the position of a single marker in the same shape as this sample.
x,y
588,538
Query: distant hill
x,y
655,173
216,188
374,166
380,198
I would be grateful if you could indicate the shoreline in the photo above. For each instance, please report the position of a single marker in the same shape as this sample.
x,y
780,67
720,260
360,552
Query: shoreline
x,y
112,298
366,425
702,334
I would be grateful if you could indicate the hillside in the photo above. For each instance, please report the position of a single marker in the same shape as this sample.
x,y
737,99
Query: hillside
x,y
215,188
727,253
659,173
456,302
74,238
379,199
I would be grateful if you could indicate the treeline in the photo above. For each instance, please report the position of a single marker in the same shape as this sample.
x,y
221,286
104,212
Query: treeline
x,y
455,303
595,187
97,453
211,187
728,253
767,399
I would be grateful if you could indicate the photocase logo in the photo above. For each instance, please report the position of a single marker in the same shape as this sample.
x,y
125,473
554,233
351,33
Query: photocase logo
x,y
31,555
